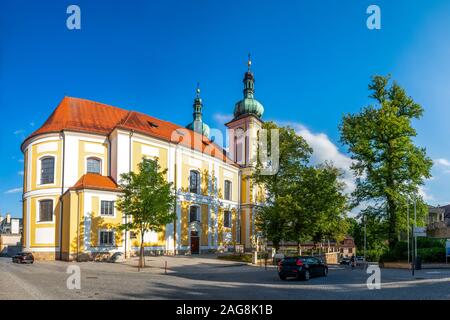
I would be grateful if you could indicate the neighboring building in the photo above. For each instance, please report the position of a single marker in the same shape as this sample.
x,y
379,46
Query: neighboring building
x,y
74,160
9,225
346,247
10,235
439,222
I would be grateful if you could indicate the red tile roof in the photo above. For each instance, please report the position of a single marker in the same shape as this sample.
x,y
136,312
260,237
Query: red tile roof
x,y
96,182
74,114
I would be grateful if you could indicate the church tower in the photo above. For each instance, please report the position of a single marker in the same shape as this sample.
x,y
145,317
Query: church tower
x,y
197,124
243,144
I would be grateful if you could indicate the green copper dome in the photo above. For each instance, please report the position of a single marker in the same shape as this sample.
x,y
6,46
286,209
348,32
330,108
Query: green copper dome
x,y
197,124
249,105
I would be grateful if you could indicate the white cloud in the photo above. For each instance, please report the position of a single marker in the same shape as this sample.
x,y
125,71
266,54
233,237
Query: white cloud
x,y
423,192
326,150
442,162
15,190
222,117
20,131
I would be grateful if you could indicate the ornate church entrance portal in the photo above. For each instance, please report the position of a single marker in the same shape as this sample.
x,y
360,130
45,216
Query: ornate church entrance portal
x,y
195,242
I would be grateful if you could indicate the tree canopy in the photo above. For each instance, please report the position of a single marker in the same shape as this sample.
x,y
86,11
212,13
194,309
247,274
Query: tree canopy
x,y
388,166
147,199
304,202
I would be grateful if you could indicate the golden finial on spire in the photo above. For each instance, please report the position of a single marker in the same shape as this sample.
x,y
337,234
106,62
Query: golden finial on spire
x,y
249,62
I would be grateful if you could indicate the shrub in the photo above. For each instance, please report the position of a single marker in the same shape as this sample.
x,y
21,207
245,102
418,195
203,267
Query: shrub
x,y
374,255
237,257
430,243
435,254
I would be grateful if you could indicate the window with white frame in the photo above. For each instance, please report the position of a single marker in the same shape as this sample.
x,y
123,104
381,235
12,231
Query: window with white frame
x,y
227,219
107,208
46,211
194,181
94,165
106,237
47,170
194,214
227,188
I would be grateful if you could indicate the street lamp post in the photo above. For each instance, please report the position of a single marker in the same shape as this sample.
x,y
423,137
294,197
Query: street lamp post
x,y
365,236
415,226
407,226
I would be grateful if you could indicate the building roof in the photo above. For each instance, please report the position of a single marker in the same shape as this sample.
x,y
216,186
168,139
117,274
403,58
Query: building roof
x,y
96,182
446,211
81,115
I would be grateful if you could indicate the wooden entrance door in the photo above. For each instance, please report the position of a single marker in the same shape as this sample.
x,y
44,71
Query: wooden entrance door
x,y
195,243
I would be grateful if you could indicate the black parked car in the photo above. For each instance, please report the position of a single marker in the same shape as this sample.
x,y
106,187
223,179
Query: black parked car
x,y
301,268
23,257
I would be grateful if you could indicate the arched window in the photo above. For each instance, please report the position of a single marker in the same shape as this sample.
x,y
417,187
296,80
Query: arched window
x,y
194,214
47,170
194,182
94,165
227,188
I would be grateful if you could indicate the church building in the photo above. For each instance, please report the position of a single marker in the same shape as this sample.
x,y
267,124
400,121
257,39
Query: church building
x,y
73,163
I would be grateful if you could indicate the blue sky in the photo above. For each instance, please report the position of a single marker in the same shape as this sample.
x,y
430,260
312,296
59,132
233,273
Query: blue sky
x,y
312,61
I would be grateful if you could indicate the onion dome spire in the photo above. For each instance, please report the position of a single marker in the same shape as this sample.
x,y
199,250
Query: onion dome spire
x,y
249,105
197,124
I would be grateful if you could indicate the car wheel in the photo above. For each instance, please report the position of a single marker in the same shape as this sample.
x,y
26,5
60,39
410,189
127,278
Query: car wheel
x,y
306,275
325,272
282,277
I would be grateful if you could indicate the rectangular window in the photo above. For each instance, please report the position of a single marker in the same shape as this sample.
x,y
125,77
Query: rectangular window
x,y
93,165
46,211
194,182
193,214
239,153
107,208
227,190
106,238
47,170
227,219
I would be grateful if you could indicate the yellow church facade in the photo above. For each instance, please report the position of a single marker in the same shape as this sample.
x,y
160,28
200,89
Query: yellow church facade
x,y
73,163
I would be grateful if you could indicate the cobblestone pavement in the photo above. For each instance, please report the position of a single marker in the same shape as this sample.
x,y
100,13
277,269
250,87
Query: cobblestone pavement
x,y
206,277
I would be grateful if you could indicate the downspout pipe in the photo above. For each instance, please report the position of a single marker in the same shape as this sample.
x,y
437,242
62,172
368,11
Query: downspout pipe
x,y
175,204
61,207
129,170
239,208
78,226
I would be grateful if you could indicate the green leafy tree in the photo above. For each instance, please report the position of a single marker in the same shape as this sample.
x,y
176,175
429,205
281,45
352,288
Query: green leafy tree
x,y
329,204
387,164
304,202
318,205
294,154
147,199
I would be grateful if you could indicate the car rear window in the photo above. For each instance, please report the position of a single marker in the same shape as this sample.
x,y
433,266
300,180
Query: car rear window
x,y
291,260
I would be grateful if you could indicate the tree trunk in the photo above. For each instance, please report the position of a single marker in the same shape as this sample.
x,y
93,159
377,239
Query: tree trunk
x,y
392,227
299,247
141,253
276,245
